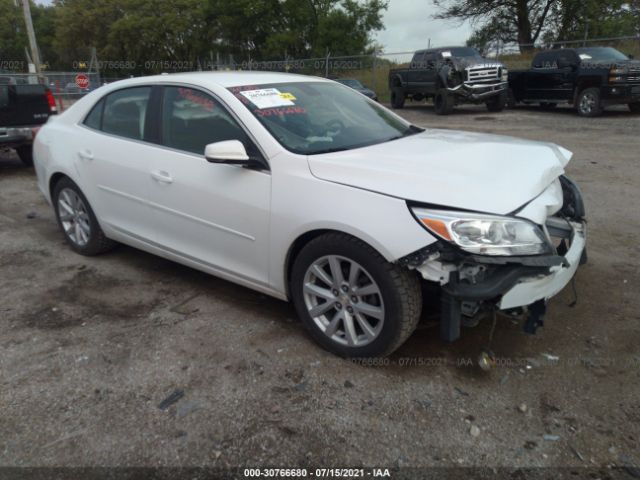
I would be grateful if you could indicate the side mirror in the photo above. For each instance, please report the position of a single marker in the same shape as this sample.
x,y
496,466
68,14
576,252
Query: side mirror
x,y
228,151
631,57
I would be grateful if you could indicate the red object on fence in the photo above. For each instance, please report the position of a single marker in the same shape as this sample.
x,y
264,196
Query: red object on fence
x,y
82,81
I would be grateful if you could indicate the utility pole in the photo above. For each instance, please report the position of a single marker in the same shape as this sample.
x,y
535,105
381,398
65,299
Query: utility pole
x,y
35,53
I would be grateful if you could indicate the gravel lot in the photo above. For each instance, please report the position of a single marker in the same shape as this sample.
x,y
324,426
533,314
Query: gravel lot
x,y
91,346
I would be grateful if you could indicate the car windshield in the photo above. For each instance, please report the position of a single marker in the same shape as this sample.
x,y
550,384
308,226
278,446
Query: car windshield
x,y
321,117
601,53
350,82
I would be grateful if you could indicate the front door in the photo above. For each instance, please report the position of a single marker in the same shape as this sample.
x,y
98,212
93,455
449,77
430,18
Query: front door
x,y
214,214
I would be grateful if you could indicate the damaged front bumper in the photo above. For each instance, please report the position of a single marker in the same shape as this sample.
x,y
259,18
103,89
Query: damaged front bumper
x,y
512,282
479,91
471,283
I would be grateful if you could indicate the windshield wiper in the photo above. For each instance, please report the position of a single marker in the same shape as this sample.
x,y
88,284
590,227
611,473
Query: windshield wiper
x,y
412,130
329,150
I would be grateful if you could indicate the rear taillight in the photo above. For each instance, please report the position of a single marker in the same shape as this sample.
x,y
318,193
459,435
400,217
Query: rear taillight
x,y
52,102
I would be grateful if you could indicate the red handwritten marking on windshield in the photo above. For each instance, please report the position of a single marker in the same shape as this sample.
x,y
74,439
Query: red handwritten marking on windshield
x,y
197,98
236,91
269,112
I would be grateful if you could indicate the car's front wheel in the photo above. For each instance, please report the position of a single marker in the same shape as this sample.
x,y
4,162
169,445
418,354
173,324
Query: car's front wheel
x,y
77,220
443,103
497,103
351,300
589,104
634,107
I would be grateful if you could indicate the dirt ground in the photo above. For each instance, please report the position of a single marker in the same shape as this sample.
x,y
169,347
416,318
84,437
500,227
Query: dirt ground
x,y
91,346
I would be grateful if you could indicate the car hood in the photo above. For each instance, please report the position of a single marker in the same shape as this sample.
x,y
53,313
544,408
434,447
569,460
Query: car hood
x,y
472,171
465,62
631,65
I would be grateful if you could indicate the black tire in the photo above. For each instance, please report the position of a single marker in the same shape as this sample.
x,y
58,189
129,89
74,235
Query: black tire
x,y
588,103
511,99
25,152
97,242
634,107
548,105
397,97
400,291
497,103
443,103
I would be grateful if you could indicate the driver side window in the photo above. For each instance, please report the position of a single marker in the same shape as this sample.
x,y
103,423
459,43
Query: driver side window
x,y
191,119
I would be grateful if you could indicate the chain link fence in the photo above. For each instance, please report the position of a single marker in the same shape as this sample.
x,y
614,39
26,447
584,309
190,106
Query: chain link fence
x,y
371,70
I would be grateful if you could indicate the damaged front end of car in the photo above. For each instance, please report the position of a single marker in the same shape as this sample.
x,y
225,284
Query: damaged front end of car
x,y
474,81
513,263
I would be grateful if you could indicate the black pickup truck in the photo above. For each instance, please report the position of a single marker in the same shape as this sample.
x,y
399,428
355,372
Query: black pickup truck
x,y
589,78
450,75
24,108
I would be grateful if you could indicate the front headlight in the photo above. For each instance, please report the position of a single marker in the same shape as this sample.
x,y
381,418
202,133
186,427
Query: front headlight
x,y
485,234
505,75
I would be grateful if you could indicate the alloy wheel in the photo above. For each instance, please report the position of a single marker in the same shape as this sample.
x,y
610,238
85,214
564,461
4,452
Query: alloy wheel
x,y
344,300
74,217
587,103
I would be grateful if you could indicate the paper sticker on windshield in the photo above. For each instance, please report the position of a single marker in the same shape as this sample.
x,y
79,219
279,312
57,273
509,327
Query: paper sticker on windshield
x,y
584,56
446,54
267,98
287,96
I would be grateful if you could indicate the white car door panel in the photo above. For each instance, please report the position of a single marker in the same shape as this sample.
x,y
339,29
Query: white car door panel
x,y
113,162
216,214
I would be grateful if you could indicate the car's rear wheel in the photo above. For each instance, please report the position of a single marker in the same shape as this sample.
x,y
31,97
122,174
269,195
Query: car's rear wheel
x,y
635,107
25,153
77,220
589,104
397,97
443,103
351,300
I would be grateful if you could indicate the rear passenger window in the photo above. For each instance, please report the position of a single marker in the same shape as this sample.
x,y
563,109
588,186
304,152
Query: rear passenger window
x,y
547,60
94,119
192,119
125,111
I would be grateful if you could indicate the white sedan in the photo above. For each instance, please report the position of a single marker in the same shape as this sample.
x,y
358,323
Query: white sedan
x,y
304,189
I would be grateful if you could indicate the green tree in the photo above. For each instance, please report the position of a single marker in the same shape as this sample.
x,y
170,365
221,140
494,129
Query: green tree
x,y
13,38
520,21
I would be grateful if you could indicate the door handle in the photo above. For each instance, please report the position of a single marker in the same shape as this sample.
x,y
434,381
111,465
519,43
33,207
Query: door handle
x,y
86,155
161,176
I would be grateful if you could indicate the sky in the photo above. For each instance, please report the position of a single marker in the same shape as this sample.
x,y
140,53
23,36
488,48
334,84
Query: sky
x,y
409,25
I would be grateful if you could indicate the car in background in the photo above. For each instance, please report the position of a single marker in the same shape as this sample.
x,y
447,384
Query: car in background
x,y
358,87
451,76
307,191
589,78
24,108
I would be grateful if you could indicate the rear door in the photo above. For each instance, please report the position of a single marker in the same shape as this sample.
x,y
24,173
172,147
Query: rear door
x,y
216,215
414,71
429,73
113,159
568,63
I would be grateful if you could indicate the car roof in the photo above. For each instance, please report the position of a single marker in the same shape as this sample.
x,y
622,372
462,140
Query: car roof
x,y
224,79
439,49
